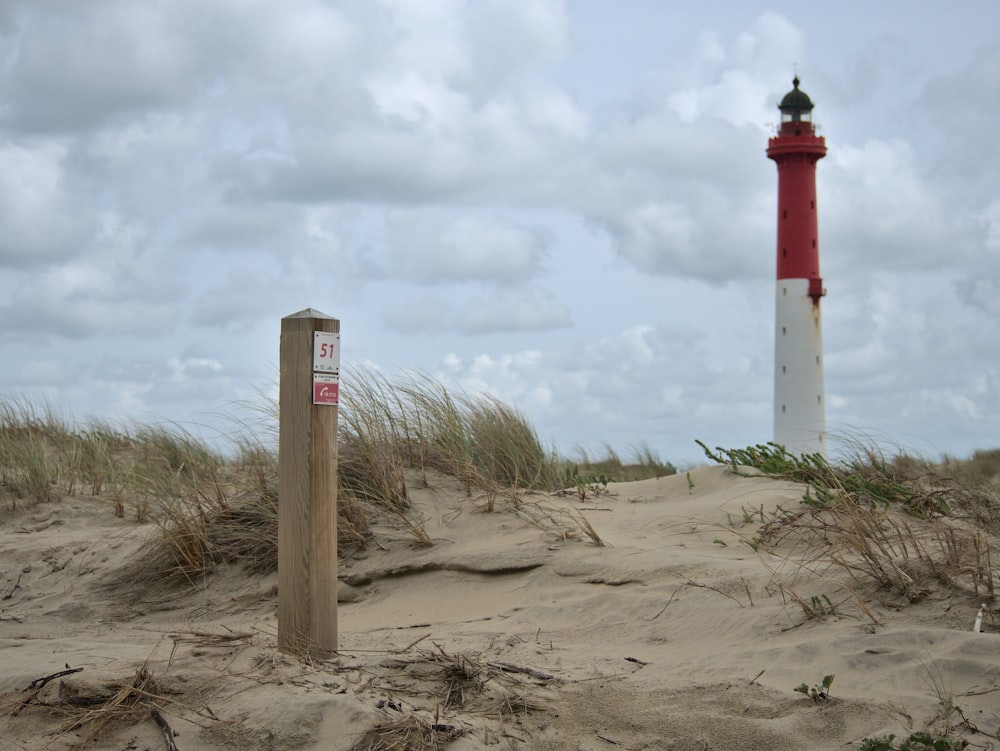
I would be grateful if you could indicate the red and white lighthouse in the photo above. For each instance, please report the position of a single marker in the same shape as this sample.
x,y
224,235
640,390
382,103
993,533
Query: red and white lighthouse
x,y
799,410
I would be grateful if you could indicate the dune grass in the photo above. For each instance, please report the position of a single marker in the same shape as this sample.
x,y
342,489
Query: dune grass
x,y
898,522
902,525
645,463
217,502
33,451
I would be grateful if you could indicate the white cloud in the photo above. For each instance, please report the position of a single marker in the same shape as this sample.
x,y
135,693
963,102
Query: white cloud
x,y
77,68
576,181
522,308
117,283
636,383
420,102
990,221
423,313
881,213
194,367
740,80
38,221
950,401
436,248
505,309
654,233
982,293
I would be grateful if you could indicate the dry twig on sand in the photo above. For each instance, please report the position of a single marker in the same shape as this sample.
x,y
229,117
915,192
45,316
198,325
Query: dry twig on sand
x,y
38,684
168,733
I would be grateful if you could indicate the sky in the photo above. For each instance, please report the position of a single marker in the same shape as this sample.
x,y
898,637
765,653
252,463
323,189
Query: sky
x,y
565,204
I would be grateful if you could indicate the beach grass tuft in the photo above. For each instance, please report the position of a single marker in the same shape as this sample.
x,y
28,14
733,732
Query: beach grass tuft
x,y
216,501
901,525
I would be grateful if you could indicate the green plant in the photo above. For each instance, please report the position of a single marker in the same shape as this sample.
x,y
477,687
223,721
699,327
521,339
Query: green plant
x,y
821,606
690,483
919,741
866,477
590,485
819,692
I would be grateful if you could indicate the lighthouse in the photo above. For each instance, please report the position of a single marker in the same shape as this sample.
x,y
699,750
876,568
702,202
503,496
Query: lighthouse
x,y
799,409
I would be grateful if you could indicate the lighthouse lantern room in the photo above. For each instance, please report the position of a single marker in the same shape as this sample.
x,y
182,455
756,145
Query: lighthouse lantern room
x,y
799,409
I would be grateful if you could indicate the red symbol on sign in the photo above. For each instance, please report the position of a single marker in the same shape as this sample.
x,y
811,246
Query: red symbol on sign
x,y
326,393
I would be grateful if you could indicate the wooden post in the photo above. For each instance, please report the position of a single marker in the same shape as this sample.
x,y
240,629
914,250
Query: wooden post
x,y
307,494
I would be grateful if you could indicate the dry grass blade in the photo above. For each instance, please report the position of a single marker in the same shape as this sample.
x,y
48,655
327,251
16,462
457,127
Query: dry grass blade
x,y
448,677
562,523
506,450
214,507
208,639
34,444
908,556
513,704
372,426
589,530
411,733
444,681
247,533
89,711
814,607
416,529
880,549
125,705
484,442
898,524
437,426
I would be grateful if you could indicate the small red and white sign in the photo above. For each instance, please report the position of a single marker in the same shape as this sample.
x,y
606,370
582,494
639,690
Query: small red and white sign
x,y
326,389
326,352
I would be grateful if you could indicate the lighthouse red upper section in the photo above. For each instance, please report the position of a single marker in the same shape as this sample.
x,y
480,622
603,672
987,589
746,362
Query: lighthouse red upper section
x,y
796,149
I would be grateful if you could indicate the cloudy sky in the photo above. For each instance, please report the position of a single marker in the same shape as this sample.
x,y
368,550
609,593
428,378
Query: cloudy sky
x,y
565,204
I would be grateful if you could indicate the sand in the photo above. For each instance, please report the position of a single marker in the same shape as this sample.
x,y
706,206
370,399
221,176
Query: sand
x,y
504,634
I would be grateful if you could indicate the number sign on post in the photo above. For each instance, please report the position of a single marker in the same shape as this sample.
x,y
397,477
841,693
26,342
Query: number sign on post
x,y
326,368
326,352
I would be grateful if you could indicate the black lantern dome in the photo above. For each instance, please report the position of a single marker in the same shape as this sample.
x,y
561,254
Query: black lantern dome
x,y
796,105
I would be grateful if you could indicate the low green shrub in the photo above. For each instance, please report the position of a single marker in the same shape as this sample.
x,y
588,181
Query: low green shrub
x,y
920,741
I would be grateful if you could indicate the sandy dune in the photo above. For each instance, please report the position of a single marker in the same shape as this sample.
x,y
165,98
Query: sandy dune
x,y
505,634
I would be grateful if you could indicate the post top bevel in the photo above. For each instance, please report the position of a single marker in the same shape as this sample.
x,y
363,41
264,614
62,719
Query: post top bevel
x,y
310,313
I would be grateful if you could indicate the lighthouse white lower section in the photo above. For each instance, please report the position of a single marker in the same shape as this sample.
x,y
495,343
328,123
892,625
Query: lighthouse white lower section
x,y
799,409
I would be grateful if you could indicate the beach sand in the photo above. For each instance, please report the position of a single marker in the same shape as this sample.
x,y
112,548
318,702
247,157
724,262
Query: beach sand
x,y
507,633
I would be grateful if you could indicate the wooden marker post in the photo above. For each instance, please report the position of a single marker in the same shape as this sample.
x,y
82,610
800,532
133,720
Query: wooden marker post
x,y
307,484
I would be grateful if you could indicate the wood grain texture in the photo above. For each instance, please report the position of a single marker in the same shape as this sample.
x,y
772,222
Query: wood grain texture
x,y
307,496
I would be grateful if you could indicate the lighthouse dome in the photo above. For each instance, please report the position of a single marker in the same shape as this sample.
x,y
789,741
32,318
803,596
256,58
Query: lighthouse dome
x,y
796,104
